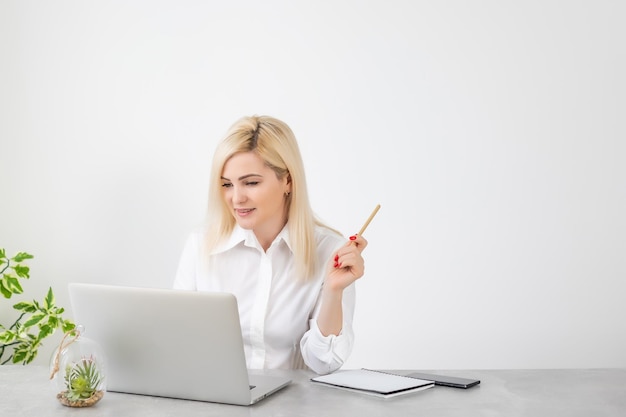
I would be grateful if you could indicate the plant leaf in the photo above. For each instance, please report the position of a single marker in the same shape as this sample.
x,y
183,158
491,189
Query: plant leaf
x,y
13,284
25,307
4,290
67,326
49,299
53,322
25,353
8,336
22,271
31,356
19,355
45,330
21,256
34,319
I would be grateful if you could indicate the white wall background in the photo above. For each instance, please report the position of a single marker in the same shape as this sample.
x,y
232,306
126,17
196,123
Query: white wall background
x,y
491,132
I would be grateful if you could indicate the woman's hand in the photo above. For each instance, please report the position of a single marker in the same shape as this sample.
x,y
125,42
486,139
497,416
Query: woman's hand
x,y
347,265
344,267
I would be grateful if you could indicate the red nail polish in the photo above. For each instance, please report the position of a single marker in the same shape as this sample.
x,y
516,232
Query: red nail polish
x,y
336,265
353,237
336,258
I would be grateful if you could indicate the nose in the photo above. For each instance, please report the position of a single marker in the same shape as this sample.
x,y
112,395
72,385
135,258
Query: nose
x,y
239,195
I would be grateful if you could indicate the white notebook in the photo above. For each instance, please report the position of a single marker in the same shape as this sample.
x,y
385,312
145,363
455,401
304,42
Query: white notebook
x,y
372,382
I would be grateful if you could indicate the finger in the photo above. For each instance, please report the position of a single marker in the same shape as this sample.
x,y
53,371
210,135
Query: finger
x,y
359,241
352,261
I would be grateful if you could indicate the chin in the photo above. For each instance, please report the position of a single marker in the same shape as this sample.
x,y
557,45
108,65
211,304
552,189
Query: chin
x,y
245,225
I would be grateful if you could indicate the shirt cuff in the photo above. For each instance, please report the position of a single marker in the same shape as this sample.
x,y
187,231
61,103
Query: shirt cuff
x,y
325,354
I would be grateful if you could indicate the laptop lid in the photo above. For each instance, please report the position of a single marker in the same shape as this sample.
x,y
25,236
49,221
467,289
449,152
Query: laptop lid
x,y
169,343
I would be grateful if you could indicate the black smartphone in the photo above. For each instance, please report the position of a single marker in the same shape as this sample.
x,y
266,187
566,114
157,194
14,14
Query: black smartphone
x,y
446,381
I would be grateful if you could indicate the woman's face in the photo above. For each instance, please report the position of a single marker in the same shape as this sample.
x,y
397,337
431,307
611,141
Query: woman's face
x,y
255,195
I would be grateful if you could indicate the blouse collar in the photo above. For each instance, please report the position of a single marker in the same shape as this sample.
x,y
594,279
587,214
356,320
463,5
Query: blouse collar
x,y
248,238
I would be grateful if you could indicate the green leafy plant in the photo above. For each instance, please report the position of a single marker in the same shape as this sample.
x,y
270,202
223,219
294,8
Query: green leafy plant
x,y
36,320
82,380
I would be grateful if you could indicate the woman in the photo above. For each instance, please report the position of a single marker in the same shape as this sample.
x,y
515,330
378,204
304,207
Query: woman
x,y
292,275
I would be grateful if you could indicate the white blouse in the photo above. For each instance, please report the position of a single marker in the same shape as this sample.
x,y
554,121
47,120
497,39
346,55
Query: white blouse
x,y
278,311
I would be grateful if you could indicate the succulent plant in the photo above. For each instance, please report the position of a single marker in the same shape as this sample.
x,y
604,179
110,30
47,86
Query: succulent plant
x,y
82,380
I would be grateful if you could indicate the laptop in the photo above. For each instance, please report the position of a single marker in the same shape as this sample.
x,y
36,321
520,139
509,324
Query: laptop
x,y
170,343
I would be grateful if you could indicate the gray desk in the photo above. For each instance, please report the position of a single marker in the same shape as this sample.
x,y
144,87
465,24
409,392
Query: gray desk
x,y
26,391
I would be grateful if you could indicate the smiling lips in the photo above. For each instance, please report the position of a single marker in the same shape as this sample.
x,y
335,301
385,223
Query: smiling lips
x,y
243,212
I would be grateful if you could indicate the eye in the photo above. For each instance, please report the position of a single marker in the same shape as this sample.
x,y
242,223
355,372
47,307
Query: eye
x,y
227,185
252,183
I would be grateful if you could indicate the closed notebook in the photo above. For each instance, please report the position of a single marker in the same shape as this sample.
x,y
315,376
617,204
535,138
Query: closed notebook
x,y
372,382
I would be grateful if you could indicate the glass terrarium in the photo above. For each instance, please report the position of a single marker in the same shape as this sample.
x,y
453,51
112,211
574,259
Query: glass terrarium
x,y
78,370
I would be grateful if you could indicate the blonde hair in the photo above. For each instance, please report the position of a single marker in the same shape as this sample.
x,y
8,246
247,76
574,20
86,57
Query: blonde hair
x,y
274,142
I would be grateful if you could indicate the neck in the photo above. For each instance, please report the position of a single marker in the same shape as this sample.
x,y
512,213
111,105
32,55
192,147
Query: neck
x,y
266,237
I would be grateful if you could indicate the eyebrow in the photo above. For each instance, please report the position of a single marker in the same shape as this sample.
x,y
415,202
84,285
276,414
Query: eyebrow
x,y
244,177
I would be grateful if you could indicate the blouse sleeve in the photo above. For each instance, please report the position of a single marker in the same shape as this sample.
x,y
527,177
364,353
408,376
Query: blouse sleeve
x,y
187,267
326,354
